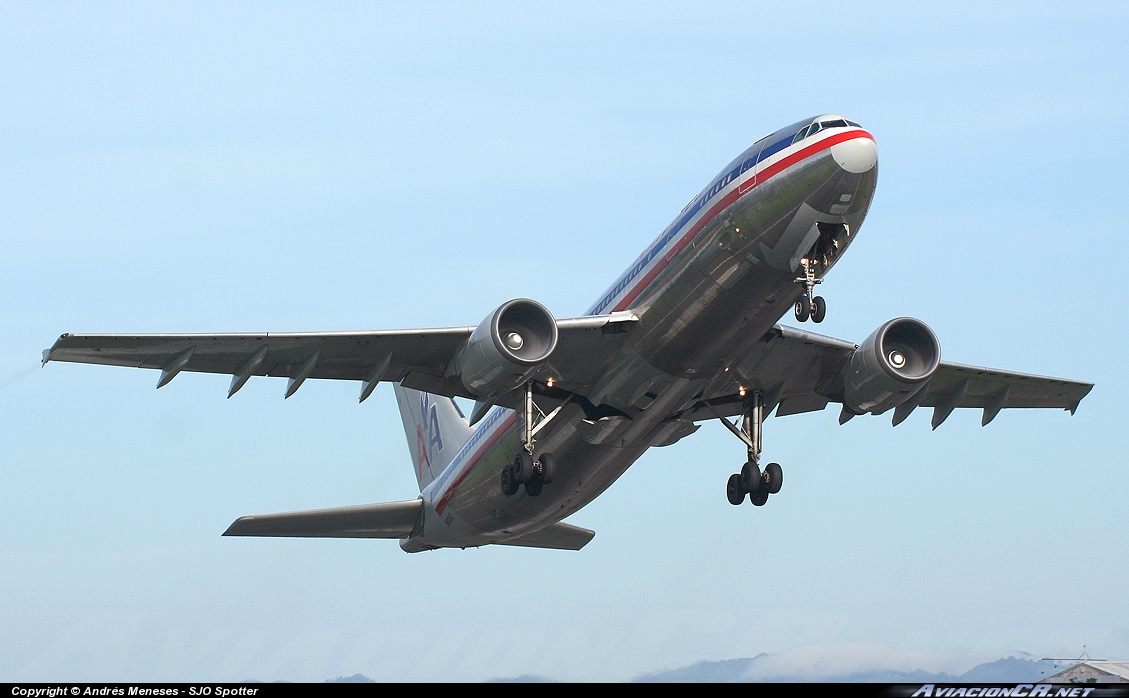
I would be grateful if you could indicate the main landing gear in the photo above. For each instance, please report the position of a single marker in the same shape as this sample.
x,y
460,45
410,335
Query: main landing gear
x,y
808,305
753,481
532,473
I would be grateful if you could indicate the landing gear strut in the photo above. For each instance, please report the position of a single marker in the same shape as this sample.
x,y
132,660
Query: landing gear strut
x,y
525,470
808,305
752,480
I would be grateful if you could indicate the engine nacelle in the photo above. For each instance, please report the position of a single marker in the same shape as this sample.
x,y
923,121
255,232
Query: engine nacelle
x,y
890,366
507,347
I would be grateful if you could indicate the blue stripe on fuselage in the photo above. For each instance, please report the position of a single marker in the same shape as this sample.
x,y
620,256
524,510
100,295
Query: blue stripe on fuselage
x,y
456,466
747,161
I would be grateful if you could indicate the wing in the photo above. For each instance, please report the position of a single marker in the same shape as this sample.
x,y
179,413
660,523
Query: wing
x,y
389,520
801,371
421,358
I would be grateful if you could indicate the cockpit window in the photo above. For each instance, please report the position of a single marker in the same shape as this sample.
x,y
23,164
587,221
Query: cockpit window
x,y
780,140
821,125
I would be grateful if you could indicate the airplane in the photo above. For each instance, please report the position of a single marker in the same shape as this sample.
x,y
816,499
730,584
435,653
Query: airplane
x,y
688,333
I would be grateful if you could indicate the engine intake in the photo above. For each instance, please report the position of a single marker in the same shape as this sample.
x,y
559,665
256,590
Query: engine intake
x,y
890,366
507,347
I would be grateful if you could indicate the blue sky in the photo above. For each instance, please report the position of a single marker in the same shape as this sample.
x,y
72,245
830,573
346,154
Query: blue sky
x,y
211,167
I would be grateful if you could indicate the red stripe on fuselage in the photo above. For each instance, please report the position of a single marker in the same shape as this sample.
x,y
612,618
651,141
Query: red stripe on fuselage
x,y
472,460
727,201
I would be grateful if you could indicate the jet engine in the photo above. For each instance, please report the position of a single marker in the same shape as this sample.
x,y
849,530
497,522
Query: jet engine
x,y
890,366
507,347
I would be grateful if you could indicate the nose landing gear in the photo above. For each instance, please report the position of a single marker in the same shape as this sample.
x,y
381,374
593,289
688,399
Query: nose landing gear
x,y
752,480
808,305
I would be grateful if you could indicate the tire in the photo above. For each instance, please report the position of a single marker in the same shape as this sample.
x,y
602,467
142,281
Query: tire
x,y
750,476
509,484
548,468
759,497
803,308
818,309
733,490
533,487
523,468
773,478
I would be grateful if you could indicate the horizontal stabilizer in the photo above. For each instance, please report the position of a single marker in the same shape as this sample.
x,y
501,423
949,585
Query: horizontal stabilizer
x,y
559,536
388,520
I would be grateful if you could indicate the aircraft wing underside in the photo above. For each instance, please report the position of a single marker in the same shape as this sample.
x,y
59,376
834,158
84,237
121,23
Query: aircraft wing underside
x,y
419,358
801,371
798,371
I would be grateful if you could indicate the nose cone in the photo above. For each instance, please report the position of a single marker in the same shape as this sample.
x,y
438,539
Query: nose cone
x,y
857,155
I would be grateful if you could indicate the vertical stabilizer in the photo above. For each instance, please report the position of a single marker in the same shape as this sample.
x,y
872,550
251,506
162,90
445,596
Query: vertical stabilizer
x,y
435,428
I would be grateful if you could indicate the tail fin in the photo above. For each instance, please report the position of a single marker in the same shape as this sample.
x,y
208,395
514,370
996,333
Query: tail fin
x,y
435,428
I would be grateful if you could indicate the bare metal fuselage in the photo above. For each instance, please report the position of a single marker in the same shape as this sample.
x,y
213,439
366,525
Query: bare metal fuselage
x,y
705,292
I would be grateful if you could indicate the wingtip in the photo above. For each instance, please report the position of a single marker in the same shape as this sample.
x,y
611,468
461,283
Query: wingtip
x,y
233,529
47,352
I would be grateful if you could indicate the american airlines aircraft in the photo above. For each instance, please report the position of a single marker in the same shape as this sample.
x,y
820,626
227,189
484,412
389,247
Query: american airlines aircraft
x,y
564,406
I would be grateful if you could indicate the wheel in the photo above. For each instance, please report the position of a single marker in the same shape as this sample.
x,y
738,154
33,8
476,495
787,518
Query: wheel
x,y
548,467
533,487
509,484
759,497
803,308
523,468
818,309
750,476
773,478
733,490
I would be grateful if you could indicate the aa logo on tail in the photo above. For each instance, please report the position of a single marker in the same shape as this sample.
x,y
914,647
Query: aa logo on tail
x,y
429,418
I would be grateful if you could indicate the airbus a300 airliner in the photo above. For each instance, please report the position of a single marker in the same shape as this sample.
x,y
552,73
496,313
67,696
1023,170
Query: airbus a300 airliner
x,y
564,406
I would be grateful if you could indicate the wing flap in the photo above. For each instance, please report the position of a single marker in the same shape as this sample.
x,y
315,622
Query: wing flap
x,y
559,536
387,520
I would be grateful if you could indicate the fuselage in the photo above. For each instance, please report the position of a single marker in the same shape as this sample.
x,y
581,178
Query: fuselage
x,y
712,283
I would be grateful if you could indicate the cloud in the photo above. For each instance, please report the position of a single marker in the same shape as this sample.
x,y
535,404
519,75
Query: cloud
x,y
834,660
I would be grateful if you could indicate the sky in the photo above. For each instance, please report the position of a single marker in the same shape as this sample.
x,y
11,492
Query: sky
x,y
222,167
